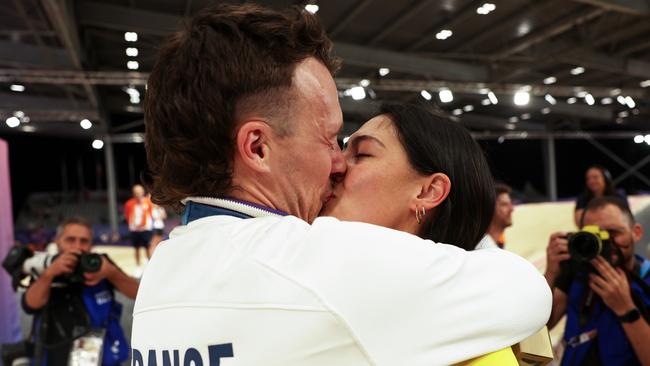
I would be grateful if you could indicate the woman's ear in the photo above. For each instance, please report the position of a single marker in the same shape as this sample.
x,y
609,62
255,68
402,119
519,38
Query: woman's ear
x,y
252,145
435,191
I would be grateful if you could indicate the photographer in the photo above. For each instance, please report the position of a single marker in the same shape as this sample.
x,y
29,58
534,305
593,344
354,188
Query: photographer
x,y
68,303
606,301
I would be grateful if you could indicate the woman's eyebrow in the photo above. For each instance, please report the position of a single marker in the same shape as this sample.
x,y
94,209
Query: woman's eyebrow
x,y
356,140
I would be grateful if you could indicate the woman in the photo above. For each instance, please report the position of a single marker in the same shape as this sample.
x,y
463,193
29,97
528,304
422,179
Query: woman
x,y
598,183
413,171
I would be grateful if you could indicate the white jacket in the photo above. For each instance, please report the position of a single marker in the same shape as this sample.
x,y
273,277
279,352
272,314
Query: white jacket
x,y
278,291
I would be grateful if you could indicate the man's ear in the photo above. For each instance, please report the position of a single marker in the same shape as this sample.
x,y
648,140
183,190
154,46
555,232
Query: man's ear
x,y
253,145
435,191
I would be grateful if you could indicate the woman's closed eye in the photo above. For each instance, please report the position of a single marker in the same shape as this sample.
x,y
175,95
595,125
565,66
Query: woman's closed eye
x,y
361,155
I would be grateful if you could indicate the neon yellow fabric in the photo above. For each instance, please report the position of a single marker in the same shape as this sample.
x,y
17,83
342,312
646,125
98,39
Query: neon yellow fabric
x,y
504,357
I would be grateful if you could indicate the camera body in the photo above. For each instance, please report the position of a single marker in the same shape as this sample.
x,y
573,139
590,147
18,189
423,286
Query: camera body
x,y
21,261
86,263
585,245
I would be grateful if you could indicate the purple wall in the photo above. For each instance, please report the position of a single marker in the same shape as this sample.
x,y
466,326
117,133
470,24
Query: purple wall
x,y
9,316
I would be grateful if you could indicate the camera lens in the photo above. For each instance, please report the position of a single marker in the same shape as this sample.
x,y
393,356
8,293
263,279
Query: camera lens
x,y
90,262
584,246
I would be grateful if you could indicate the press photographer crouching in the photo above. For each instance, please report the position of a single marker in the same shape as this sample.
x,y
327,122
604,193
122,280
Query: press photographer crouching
x,y
602,287
76,317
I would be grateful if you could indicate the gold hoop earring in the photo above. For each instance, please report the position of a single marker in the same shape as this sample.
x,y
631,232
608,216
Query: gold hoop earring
x,y
419,214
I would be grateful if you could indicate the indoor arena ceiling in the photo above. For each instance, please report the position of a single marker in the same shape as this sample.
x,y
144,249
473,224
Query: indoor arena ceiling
x,y
584,65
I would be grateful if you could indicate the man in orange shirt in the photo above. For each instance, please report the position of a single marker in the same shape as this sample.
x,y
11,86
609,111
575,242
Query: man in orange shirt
x,y
138,214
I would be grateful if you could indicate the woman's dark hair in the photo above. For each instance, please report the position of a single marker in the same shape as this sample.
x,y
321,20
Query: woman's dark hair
x,y
229,59
435,144
587,195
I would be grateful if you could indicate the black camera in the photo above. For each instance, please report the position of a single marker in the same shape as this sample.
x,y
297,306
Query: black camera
x,y
86,263
21,261
587,244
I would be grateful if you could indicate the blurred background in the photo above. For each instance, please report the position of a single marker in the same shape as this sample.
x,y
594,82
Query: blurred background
x,y
548,88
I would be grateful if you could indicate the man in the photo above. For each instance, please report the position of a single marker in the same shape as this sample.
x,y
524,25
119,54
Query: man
x,y
501,220
607,310
62,307
242,117
138,215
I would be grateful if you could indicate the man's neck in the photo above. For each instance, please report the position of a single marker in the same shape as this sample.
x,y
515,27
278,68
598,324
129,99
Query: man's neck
x,y
257,199
495,232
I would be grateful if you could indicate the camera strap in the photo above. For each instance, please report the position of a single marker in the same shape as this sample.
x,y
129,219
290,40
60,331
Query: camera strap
x,y
586,308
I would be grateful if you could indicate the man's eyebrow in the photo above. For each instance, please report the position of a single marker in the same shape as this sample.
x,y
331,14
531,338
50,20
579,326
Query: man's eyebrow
x,y
356,140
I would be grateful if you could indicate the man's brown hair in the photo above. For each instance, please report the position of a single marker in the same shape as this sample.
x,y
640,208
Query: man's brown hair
x,y
501,188
229,59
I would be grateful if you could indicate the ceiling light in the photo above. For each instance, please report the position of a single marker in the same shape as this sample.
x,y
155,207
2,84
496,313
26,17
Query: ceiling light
x,y
357,93
468,108
620,99
513,119
132,52
549,98
97,144
130,36
457,112
521,98
630,102
444,34
590,99
19,114
581,94
312,8
426,95
620,120
484,90
550,80
635,112
606,100
614,92
546,110
12,122
510,126
639,139
486,102
132,65
486,8
525,116
577,70
364,82
17,88
85,124
383,71
501,139
572,100
493,97
445,95
646,138
645,83
29,129
623,114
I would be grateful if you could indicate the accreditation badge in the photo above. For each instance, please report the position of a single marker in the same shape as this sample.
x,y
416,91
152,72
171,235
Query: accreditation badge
x,y
87,349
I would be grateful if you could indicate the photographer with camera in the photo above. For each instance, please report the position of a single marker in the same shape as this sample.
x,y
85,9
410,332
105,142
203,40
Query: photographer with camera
x,y
602,287
73,297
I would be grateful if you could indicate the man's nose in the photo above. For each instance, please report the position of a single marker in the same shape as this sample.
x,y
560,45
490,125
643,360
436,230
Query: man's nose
x,y
339,165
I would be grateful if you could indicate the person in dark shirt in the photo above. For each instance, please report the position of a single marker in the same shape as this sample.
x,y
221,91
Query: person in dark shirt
x,y
64,310
607,309
598,183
